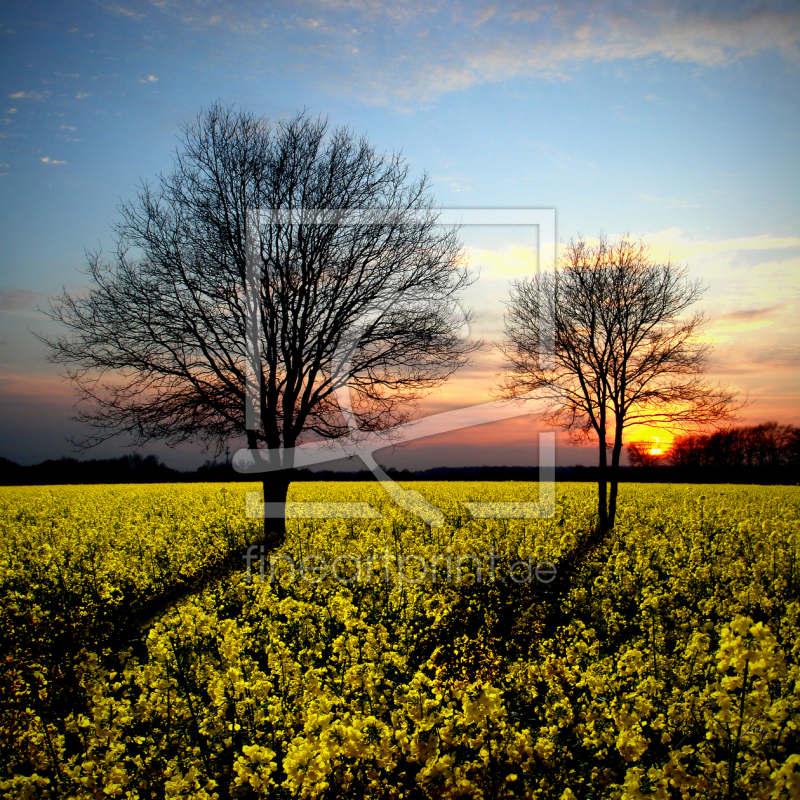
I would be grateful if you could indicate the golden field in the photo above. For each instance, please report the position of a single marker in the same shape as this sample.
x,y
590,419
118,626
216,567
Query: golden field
x,y
383,658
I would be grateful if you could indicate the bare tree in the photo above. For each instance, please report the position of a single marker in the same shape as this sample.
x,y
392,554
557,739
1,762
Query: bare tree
x,y
308,233
602,340
769,445
792,448
644,454
688,450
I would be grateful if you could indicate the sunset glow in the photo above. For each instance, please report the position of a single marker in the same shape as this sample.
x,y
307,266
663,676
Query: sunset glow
x,y
78,137
656,441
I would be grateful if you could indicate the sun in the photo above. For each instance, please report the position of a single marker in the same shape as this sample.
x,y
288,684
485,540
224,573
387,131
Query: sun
x,y
653,441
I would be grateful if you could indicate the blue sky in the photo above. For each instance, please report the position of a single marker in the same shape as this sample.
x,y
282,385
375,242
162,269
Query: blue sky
x,y
678,122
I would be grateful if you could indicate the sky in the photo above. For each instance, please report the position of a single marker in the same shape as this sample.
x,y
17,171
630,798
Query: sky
x,y
676,122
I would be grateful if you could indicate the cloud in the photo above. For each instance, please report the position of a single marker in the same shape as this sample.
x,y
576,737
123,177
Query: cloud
x,y
28,96
748,314
737,360
19,299
149,79
48,160
754,279
526,15
32,387
11,111
415,50
486,44
743,319
511,262
68,128
672,243
121,11
670,202
82,95
310,22
484,15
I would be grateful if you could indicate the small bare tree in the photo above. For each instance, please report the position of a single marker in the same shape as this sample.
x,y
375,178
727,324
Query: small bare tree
x,y
312,236
603,341
644,454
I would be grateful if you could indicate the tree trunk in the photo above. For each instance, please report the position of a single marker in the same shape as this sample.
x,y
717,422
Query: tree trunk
x,y
276,490
275,487
602,479
614,488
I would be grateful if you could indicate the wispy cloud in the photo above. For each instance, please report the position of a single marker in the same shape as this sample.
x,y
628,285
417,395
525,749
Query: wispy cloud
x,y
484,15
415,50
29,95
48,160
122,11
748,314
736,360
721,326
510,262
30,387
82,95
488,45
19,299
149,79
670,202
672,242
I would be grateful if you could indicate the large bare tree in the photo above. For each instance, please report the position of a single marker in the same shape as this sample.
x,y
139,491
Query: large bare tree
x,y
604,341
291,256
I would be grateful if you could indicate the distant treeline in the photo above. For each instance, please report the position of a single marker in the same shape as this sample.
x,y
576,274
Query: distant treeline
x,y
768,446
126,469
765,453
149,469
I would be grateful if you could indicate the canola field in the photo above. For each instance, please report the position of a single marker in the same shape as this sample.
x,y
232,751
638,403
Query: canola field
x,y
383,658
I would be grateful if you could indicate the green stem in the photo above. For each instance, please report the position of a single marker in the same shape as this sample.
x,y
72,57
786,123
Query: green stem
x,y
735,747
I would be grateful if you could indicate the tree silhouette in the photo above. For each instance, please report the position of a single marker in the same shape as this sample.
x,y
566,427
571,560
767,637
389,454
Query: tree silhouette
x,y
769,445
643,454
602,341
322,242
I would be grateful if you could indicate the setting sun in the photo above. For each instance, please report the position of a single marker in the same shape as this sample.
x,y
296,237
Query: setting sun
x,y
654,441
